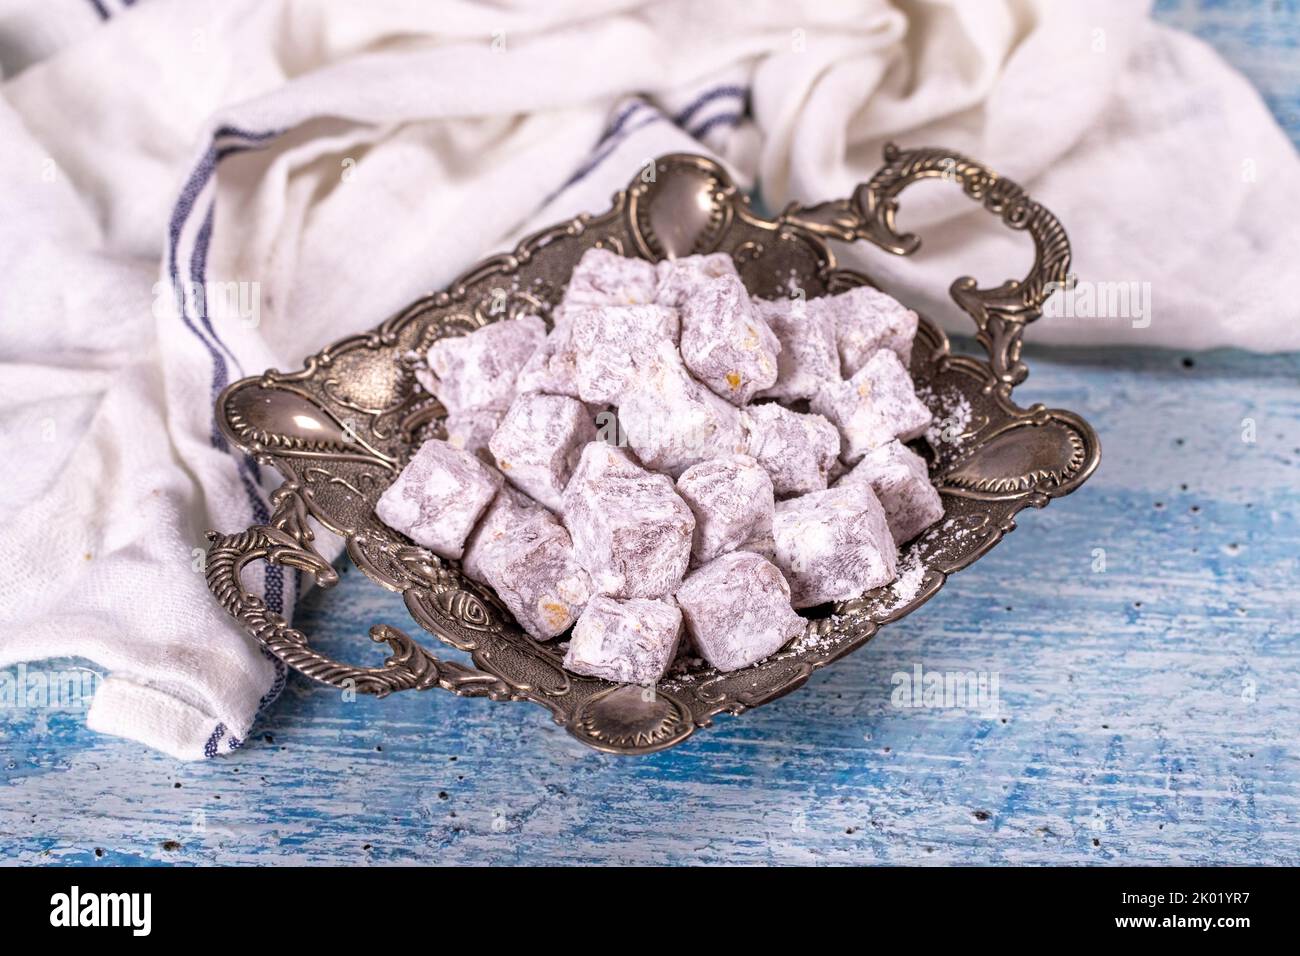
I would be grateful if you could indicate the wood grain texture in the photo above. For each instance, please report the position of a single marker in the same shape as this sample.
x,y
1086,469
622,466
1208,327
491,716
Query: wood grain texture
x,y
1148,713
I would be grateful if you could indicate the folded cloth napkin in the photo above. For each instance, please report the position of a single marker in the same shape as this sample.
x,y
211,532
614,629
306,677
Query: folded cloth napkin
x,y
194,193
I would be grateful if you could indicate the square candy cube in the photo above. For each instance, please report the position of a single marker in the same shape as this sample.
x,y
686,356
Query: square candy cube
x,y
478,370
875,406
630,641
763,544
901,481
630,529
809,356
724,342
538,444
471,430
796,450
615,343
732,501
438,496
737,609
602,277
680,279
867,320
672,421
833,545
552,369
523,553
509,509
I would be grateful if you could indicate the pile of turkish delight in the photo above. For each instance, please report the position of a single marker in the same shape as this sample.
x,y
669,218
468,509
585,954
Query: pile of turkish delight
x,y
712,507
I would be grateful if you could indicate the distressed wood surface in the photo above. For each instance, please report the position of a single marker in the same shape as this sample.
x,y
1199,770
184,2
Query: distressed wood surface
x,y
1148,711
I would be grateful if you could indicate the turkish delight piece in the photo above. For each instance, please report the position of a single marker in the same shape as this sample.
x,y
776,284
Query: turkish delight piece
x,y
808,356
470,430
680,279
602,277
737,609
508,509
732,501
438,496
901,481
630,529
615,344
631,641
538,444
867,320
672,421
763,543
875,406
524,554
834,545
724,342
478,370
797,450
552,369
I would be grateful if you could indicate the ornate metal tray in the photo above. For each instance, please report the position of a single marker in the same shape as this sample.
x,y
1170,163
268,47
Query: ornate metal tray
x,y
340,428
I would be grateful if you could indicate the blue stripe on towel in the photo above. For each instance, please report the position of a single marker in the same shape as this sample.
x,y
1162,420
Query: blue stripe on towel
x,y
218,350
602,154
616,127
210,748
685,115
618,130
722,119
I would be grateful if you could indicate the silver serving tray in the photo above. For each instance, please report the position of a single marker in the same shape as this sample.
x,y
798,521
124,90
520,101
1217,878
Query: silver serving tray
x,y
340,429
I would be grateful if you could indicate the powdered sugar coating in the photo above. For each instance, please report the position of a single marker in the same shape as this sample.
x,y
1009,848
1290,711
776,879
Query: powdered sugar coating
x,y
630,529
629,641
602,277
680,279
523,553
867,320
834,545
626,531
615,344
510,508
438,496
808,355
478,370
672,421
538,443
737,609
901,481
552,369
470,430
875,406
732,500
763,543
724,342
797,450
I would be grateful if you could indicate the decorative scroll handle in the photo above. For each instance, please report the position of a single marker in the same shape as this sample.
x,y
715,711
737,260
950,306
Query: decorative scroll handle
x,y
1001,313
286,541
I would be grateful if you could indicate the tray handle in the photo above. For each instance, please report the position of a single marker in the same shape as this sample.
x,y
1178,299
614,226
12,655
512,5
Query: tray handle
x,y
1000,313
286,541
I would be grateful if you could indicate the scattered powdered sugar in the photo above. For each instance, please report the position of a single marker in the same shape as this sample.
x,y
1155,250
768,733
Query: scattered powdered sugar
x,y
685,670
905,587
792,284
814,641
958,528
952,418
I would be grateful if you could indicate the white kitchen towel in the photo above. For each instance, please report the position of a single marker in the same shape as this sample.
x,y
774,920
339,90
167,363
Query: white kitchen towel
x,y
288,172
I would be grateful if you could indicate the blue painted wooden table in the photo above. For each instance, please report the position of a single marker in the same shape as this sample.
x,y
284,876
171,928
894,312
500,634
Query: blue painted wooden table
x,y
1143,632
